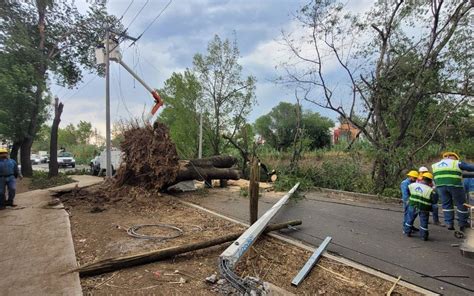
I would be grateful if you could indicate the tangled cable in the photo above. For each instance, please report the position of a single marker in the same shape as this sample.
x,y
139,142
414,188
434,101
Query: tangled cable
x,y
132,231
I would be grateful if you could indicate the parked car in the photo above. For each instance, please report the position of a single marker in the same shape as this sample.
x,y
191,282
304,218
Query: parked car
x,y
44,158
35,159
95,166
66,159
98,163
43,155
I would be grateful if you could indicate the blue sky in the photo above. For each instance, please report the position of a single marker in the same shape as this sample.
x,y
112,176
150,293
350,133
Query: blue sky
x,y
185,28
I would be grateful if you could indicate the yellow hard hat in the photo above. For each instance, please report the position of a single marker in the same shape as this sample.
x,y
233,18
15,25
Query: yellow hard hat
x,y
428,175
449,153
3,150
413,174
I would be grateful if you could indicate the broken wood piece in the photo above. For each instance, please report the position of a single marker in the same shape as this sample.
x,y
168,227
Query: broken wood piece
x,y
311,262
116,263
389,293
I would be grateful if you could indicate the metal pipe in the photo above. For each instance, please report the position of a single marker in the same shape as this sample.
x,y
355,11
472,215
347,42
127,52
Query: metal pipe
x,y
311,262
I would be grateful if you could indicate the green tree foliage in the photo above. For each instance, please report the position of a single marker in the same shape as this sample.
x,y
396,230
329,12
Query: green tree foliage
x,y
278,127
227,97
58,42
182,95
404,85
17,78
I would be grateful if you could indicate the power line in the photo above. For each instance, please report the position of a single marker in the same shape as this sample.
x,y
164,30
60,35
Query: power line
x,y
80,89
133,20
128,7
154,20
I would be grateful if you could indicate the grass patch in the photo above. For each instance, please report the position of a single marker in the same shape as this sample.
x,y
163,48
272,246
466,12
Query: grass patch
x,y
40,180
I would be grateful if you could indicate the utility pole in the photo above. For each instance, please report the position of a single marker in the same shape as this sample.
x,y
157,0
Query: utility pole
x,y
200,136
107,106
107,58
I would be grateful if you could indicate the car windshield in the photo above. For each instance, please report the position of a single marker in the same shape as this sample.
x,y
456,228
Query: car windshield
x,y
64,154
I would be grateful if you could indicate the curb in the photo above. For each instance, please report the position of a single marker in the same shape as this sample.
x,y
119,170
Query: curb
x,y
307,247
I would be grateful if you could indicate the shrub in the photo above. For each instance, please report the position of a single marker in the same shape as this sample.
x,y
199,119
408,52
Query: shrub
x,y
40,180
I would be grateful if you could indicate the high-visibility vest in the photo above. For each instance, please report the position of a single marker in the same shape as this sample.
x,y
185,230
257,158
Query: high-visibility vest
x,y
447,173
420,196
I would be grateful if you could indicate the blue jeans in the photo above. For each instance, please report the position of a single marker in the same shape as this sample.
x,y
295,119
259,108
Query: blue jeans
x,y
453,195
405,211
10,183
412,213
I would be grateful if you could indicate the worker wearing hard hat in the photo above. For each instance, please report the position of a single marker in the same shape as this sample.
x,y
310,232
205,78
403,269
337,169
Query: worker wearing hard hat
x,y
412,176
448,178
421,171
420,204
8,174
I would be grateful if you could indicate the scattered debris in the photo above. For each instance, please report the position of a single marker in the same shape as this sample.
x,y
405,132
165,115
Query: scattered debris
x,y
212,279
311,262
116,263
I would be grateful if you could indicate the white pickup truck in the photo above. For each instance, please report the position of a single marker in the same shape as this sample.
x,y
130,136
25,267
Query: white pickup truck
x,y
98,163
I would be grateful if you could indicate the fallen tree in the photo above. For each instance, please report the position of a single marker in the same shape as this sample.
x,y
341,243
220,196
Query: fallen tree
x,y
116,263
150,160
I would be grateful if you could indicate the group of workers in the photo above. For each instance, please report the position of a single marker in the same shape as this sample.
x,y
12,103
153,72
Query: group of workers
x,y
422,190
8,174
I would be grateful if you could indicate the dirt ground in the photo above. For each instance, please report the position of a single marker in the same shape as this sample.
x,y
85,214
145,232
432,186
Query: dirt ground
x,y
99,231
23,185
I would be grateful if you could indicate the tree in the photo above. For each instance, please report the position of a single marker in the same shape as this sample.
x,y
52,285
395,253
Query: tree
x,y
403,85
58,41
53,148
226,96
16,77
279,127
182,96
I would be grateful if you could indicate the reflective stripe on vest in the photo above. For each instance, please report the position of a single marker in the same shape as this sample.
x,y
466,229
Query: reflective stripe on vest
x,y
420,196
447,173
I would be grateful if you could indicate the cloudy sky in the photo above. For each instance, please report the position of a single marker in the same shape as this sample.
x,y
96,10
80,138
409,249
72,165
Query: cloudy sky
x,y
168,46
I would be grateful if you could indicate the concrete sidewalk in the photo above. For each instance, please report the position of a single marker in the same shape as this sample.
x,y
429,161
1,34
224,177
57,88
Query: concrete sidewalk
x,y
366,233
37,246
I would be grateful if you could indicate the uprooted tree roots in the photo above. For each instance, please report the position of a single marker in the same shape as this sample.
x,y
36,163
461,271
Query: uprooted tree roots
x,y
149,157
150,161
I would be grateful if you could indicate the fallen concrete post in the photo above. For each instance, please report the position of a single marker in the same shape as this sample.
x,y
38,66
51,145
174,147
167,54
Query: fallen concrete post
x,y
116,263
311,262
229,258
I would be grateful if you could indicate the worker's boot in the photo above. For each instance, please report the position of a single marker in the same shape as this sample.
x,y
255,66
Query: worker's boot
x,y
10,204
450,227
2,207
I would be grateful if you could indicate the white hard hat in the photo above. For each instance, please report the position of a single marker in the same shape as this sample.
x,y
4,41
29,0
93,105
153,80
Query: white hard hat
x,y
423,169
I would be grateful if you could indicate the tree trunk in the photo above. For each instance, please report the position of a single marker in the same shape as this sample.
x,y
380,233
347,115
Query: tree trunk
x,y
189,172
53,146
381,177
14,151
25,154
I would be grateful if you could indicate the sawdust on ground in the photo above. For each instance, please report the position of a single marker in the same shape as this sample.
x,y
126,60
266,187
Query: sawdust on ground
x,y
98,229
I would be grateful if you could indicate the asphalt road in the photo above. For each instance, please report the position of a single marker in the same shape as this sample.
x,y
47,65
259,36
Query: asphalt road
x,y
369,234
